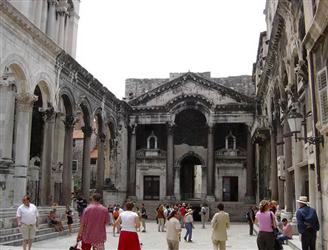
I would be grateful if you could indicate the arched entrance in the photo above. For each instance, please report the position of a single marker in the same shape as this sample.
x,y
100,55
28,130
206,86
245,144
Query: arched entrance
x,y
190,177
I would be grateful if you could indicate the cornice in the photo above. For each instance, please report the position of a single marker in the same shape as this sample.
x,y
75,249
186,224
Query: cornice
x,y
7,9
190,76
278,25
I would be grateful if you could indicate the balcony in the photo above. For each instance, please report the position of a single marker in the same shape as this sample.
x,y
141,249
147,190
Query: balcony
x,y
146,153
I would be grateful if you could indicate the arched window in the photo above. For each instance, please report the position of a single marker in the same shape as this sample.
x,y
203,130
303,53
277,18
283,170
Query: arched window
x,y
152,141
230,141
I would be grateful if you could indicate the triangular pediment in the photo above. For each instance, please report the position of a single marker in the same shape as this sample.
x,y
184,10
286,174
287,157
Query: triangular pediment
x,y
193,85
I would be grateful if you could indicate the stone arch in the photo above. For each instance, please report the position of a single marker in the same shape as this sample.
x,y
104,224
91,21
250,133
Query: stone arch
x,y
45,83
86,109
189,153
191,103
68,99
45,93
18,66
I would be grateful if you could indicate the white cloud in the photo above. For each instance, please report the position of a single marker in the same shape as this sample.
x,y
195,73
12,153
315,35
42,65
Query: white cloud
x,y
151,38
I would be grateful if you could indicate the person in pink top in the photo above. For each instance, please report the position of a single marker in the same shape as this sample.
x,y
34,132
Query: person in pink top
x,y
266,221
93,225
287,231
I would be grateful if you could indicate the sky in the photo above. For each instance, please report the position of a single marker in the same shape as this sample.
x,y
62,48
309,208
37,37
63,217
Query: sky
x,y
120,39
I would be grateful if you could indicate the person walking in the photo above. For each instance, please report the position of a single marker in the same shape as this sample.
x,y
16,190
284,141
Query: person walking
x,y
188,221
144,217
203,212
27,218
161,218
250,216
173,230
307,223
265,220
129,224
93,225
69,215
220,223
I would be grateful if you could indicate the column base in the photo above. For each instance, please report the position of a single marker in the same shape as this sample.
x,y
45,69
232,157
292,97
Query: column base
x,y
132,198
170,198
287,215
210,198
249,199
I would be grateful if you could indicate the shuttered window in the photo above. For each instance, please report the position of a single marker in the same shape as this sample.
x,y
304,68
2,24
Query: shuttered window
x,y
323,95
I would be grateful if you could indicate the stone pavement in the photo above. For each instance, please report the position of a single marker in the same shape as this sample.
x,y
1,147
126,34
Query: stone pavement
x,y
153,240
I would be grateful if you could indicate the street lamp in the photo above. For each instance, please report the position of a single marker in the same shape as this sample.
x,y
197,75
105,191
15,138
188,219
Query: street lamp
x,y
295,121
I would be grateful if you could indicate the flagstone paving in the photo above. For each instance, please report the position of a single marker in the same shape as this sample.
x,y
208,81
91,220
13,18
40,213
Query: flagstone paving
x,y
238,239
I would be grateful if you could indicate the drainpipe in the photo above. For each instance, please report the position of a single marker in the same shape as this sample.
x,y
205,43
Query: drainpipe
x,y
317,147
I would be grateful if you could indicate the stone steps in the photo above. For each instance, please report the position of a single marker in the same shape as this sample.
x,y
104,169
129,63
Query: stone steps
x,y
43,234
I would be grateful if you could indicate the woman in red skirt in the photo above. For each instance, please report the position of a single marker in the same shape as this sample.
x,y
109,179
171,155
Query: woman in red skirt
x,y
129,224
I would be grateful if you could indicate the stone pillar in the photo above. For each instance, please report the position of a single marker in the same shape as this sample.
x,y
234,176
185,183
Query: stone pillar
x,y
44,14
132,170
298,148
177,183
38,12
51,20
288,164
62,8
170,161
22,143
100,164
7,112
87,131
280,152
67,162
250,166
46,159
273,167
210,161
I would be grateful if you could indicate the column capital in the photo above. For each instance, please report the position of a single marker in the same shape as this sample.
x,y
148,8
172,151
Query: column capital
x,y
133,128
70,121
210,128
170,127
102,137
87,131
48,114
62,7
52,2
25,101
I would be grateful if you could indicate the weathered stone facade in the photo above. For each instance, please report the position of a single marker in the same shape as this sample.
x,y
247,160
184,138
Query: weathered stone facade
x,y
291,76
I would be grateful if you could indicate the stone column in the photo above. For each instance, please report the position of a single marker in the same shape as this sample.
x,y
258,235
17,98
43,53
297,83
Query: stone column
x,y
288,164
38,12
87,131
67,162
62,8
22,143
132,170
7,113
210,161
51,20
250,166
280,152
44,15
177,183
298,148
100,164
273,167
170,161
46,159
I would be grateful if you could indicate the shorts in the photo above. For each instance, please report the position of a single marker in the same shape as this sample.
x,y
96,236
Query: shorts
x,y
97,246
28,231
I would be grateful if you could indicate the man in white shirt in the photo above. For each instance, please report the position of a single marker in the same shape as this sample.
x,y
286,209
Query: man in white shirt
x,y
27,217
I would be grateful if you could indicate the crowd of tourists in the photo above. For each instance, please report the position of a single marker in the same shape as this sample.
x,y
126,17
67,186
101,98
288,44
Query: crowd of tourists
x,y
274,229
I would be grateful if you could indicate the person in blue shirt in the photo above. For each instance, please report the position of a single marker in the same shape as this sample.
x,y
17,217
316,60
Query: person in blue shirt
x,y
307,224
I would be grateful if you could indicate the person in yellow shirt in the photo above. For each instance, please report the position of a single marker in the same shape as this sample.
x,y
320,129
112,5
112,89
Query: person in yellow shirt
x,y
220,223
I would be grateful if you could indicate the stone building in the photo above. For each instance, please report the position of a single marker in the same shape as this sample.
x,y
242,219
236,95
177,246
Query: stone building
x,y
190,138
289,129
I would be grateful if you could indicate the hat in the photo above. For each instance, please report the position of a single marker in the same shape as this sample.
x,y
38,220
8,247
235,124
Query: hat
x,y
303,199
189,210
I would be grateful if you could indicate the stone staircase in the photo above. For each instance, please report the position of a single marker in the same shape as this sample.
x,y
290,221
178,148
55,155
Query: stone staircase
x,y
10,234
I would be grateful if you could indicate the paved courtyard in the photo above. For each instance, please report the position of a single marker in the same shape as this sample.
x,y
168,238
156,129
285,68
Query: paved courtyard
x,y
153,240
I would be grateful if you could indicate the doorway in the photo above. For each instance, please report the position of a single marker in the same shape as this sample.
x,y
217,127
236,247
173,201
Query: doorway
x,y
230,188
191,178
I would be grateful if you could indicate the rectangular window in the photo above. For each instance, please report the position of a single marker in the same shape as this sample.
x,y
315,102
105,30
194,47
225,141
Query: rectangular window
x,y
151,187
74,142
93,161
323,95
74,166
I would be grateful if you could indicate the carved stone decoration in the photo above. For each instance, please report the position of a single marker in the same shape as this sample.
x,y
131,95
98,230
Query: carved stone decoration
x,y
62,7
48,114
25,101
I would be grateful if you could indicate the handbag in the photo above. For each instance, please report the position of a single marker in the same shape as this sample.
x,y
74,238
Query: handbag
x,y
76,247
